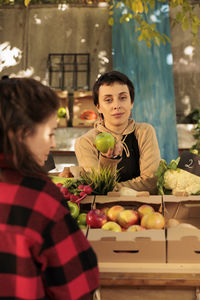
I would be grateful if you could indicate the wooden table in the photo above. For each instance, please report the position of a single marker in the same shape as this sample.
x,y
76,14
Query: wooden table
x,y
121,281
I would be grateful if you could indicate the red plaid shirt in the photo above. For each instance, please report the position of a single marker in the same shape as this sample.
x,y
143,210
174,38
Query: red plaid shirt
x,y
43,253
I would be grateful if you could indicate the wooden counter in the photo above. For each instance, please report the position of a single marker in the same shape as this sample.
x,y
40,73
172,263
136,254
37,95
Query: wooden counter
x,y
149,281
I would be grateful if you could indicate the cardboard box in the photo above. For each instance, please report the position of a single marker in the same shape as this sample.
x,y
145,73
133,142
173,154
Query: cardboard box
x,y
183,243
130,201
84,111
137,247
88,200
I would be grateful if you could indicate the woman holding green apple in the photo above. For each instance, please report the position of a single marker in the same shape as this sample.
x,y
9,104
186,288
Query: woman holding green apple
x,y
135,151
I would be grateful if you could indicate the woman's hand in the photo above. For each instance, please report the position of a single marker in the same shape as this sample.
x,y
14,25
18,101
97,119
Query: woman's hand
x,y
117,151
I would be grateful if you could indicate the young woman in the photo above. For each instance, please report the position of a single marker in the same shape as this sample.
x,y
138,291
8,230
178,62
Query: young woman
x,y
43,253
136,151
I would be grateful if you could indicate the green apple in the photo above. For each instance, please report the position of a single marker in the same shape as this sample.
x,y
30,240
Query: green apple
x,y
74,209
104,141
81,220
113,226
61,113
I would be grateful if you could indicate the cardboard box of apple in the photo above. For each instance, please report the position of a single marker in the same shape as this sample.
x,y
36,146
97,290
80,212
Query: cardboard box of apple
x,y
118,218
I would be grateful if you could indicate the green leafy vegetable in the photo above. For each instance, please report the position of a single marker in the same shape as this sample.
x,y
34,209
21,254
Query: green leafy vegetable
x,y
162,168
101,181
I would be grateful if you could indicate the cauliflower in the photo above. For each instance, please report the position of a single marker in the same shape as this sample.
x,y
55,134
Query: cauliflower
x,y
172,180
181,181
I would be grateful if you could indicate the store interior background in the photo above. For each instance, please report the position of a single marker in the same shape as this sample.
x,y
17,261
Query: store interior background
x,y
29,35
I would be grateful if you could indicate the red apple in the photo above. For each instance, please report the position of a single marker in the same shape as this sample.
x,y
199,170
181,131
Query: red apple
x,y
154,221
133,228
113,226
114,211
145,209
128,217
96,218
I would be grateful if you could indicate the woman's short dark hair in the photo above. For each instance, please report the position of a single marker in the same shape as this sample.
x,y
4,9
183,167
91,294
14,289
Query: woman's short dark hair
x,y
108,79
24,103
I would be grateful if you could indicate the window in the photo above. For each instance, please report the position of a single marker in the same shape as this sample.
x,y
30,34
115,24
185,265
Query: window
x,y
69,71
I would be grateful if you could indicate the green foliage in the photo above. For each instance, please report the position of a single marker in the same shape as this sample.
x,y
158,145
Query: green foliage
x,y
28,2
162,168
195,119
138,9
101,181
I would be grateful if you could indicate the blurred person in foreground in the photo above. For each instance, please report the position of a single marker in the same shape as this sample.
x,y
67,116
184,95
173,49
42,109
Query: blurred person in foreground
x,y
136,153
43,253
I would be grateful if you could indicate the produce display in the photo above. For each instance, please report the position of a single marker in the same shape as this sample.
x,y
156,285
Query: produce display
x,y
118,218
175,181
129,216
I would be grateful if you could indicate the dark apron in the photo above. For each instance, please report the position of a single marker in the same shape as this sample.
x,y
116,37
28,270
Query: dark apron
x,y
49,163
129,166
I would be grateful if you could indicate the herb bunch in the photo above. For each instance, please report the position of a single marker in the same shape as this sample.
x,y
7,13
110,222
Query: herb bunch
x,y
101,181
